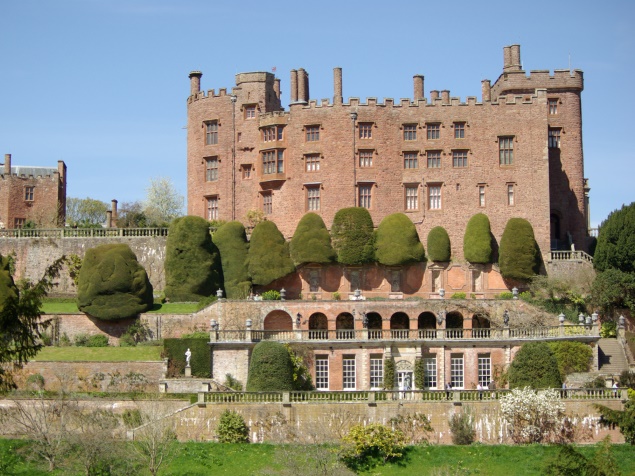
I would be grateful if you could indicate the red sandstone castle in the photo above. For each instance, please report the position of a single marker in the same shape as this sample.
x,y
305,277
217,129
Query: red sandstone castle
x,y
515,153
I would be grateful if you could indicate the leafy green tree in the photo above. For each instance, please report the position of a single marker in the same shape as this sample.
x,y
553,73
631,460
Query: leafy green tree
x,y
85,212
614,289
232,428
112,283
397,241
268,257
270,368
352,235
193,268
519,255
231,241
625,419
311,242
616,241
477,241
571,357
365,446
439,248
534,366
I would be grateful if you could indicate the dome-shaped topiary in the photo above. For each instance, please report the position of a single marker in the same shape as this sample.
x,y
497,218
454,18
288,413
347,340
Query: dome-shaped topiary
x,y
268,258
352,235
519,256
397,241
439,248
477,241
534,366
112,284
311,242
270,368
192,264
232,244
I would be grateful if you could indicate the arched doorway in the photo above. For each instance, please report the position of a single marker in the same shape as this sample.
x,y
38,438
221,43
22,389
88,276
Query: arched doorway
x,y
454,325
318,326
345,326
278,321
480,326
427,325
374,325
399,326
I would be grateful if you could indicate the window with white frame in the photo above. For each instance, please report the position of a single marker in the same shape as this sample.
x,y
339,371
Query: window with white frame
x,y
434,197
412,196
506,150
312,162
212,207
211,169
348,373
510,194
211,133
313,198
481,195
434,159
410,160
321,372
365,195
456,371
430,372
553,106
376,372
484,369
365,158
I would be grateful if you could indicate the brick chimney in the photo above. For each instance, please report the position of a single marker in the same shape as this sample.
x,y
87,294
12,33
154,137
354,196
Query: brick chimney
x,y
195,82
418,86
338,98
7,164
294,86
486,90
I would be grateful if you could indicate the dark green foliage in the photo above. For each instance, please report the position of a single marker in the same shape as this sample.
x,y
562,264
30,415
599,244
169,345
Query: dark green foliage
x,y
439,248
616,241
571,357
389,373
270,368
200,362
192,261
232,428
597,382
352,235
625,419
233,383
311,242
420,372
519,256
397,241
627,379
568,462
477,241
231,240
614,289
462,428
534,366
97,340
112,283
268,257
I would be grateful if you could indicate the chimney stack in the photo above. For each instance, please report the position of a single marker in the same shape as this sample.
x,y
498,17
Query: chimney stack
x,y
434,95
507,57
7,164
303,86
338,98
276,87
113,211
418,86
294,86
486,90
445,96
195,82
515,56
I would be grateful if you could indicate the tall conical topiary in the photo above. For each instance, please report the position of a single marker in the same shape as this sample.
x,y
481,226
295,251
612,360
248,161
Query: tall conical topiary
x,y
311,242
477,241
615,248
352,235
268,257
193,268
519,256
397,241
439,248
232,244
270,368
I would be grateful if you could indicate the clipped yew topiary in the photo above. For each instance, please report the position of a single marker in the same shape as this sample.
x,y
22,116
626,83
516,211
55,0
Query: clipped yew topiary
x,y
311,242
200,362
397,241
270,368
519,256
112,284
534,366
439,245
615,247
477,241
192,264
231,241
268,257
352,235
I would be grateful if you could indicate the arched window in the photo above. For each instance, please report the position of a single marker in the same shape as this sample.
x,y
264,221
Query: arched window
x,y
374,325
454,325
399,326
318,326
345,325
427,324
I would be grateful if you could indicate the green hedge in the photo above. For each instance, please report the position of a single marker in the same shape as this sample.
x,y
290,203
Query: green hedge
x,y
477,241
616,241
270,368
200,362
397,241
352,235
534,366
268,257
439,248
572,356
311,242
231,241
519,256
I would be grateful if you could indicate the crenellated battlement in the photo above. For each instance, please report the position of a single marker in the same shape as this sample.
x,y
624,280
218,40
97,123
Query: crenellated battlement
x,y
520,81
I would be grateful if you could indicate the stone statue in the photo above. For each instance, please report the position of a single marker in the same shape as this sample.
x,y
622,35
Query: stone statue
x,y
188,356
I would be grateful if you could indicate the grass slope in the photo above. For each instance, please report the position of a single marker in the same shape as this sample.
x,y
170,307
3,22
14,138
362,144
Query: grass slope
x,y
99,354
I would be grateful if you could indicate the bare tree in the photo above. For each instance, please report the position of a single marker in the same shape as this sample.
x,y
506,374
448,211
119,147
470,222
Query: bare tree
x,y
93,438
163,202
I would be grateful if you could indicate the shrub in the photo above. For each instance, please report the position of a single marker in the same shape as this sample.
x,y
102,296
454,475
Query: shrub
x,y
268,257
35,381
566,462
311,242
233,383
200,362
462,428
597,382
615,247
80,340
300,359
135,333
415,427
534,366
571,357
439,248
519,256
112,283
608,329
477,241
271,295
389,373
97,340
203,303
627,379
193,268
505,295
231,240
232,428
352,235
460,295
397,241
366,446
270,368
625,419
614,289
65,341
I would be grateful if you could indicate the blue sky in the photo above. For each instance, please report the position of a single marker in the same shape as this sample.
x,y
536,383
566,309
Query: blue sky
x,y
102,84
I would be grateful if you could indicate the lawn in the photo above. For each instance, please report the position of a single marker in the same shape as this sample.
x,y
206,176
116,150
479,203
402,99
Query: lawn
x,y
63,307
99,354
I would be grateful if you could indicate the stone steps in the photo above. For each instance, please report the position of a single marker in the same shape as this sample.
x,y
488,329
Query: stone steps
x,y
611,357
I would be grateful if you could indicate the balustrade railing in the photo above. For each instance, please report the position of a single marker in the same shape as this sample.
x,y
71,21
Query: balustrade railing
x,y
568,255
62,233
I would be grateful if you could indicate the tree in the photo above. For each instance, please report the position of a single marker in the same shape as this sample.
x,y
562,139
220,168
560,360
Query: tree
x,y
352,235
85,212
519,256
439,248
268,257
131,215
270,369
625,419
112,283
614,289
163,202
571,356
193,267
311,242
477,241
92,440
616,241
232,428
397,241
233,246
534,366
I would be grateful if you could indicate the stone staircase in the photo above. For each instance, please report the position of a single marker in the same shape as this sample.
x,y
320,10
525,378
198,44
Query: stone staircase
x,y
611,357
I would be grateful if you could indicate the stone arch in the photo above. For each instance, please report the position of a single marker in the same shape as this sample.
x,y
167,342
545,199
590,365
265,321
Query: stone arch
x,y
318,321
278,321
345,321
480,325
454,320
400,320
374,320
427,320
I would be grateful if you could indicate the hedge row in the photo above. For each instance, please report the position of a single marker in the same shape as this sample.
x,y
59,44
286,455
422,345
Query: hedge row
x,y
200,362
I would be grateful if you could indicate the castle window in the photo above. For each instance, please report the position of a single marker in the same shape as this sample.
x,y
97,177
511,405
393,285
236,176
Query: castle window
x,y
410,132
321,372
506,150
410,160
211,169
553,106
481,195
365,158
554,138
273,161
365,130
28,193
246,171
272,133
348,373
484,369
459,158
434,159
212,208
211,133
313,198
267,203
312,162
459,130
433,130
365,195
510,194
250,112
376,372
312,133
412,196
19,222
434,197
